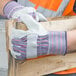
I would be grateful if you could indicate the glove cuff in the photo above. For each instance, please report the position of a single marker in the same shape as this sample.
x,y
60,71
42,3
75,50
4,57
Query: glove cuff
x,y
53,43
58,42
11,7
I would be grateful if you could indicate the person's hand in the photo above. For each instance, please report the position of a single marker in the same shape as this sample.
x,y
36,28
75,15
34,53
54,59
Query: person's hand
x,y
27,15
36,41
26,44
29,11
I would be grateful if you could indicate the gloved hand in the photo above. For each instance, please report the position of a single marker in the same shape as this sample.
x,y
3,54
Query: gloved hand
x,y
25,44
27,15
36,41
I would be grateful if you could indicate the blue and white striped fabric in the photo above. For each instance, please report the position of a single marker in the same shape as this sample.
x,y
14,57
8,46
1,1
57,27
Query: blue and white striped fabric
x,y
52,43
19,46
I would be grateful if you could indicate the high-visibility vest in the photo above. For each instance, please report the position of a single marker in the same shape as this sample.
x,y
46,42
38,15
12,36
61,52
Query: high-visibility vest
x,y
53,8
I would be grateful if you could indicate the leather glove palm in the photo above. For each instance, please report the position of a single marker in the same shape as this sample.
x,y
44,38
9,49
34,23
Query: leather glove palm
x,y
27,15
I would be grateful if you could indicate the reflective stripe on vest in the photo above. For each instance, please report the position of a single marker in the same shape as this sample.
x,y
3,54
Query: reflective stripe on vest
x,y
69,8
50,11
48,4
47,11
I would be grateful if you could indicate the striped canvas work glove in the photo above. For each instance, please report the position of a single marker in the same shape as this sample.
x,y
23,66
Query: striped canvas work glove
x,y
27,45
36,41
27,15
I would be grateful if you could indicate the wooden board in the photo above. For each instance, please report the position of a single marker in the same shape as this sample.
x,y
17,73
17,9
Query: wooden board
x,y
3,53
46,65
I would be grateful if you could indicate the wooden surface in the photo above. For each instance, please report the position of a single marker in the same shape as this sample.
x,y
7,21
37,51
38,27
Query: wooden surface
x,y
46,65
55,24
3,53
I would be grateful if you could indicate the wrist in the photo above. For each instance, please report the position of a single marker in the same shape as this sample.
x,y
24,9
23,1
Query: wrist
x,y
10,8
3,3
71,40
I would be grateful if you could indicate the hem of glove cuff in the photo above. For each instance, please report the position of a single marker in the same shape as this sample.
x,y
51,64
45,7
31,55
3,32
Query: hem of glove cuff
x,y
5,6
66,42
10,8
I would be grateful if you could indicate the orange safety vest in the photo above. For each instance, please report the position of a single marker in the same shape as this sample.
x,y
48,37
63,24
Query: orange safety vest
x,y
54,5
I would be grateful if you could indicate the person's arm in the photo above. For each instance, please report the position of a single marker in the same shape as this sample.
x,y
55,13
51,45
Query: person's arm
x,y
2,4
71,40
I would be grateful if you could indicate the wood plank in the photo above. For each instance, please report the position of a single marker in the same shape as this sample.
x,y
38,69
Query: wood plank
x,y
3,53
48,64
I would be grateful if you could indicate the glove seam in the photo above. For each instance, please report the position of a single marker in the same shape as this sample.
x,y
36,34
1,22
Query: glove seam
x,y
66,42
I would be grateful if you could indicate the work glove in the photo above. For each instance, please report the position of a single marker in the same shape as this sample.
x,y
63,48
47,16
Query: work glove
x,y
36,41
26,45
27,15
